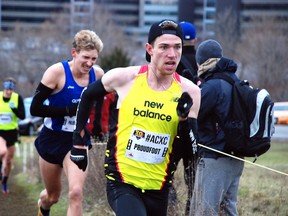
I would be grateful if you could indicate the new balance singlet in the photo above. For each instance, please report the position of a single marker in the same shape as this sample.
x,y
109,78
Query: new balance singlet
x,y
139,152
68,96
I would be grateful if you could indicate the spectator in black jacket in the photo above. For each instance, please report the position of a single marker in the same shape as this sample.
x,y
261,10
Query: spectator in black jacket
x,y
217,176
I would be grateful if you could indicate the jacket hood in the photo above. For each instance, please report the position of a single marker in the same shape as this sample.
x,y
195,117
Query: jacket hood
x,y
223,65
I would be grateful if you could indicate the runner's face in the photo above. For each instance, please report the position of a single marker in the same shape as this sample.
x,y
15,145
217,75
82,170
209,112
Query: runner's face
x,y
85,59
166,53
8,93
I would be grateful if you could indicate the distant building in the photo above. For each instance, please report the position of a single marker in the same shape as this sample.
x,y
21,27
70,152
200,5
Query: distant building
x,y
204,12
29,12
136,16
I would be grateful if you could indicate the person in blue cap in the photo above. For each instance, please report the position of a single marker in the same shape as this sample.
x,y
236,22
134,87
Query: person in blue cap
x,y
11,108
187,67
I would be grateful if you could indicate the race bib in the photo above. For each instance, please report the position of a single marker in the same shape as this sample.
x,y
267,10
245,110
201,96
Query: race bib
x,y
69,123
5,118
146,146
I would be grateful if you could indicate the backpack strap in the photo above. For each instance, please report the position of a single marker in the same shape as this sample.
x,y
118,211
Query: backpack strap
x,y
224,77
228,79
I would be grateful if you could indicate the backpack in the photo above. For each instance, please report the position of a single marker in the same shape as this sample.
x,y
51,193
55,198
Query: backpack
x,y
249,125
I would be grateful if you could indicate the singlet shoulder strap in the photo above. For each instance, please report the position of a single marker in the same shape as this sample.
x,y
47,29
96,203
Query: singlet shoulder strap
x,y
177,77
143,69
92,76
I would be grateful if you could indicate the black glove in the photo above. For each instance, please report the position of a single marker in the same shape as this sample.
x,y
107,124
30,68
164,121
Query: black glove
x,y
185,102
97,134
71,110
79,157
188,74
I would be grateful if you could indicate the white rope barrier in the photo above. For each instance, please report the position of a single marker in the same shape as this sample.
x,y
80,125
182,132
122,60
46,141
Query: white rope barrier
x,y
241,159
226,154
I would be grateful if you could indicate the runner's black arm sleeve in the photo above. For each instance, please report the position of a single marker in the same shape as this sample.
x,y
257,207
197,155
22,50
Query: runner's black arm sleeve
x,y
38,108
20,110
188,132
97,126
93,92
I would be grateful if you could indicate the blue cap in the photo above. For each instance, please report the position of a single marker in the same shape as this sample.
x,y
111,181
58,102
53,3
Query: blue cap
x,y
9,85
189,31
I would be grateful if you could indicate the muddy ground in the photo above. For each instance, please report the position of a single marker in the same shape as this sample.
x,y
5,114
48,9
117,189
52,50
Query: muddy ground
x,y
16,202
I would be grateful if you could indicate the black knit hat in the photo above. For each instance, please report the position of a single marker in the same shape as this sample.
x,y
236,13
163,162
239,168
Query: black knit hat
x,y
163,27
208,49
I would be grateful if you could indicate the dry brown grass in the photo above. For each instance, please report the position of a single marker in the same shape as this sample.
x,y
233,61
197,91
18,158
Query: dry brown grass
x,y
261,193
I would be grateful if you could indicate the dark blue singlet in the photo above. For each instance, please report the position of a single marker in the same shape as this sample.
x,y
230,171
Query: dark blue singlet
x,y
55,139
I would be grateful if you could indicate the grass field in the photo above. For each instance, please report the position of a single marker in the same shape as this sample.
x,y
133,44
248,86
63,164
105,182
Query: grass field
x,y
265,192
262,191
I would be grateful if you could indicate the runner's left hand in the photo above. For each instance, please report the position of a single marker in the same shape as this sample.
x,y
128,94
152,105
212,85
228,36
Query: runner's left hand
x,y
184,104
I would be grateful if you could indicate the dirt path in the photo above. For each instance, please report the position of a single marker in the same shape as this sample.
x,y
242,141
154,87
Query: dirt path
x,y
16,202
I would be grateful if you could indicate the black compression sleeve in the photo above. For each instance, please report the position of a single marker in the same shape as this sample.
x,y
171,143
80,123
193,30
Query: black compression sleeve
x,y
188,132
93,92
39,109
20,110
97,126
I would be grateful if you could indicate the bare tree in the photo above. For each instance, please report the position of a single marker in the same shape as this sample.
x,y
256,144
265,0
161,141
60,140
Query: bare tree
x,y
263,56
260,49
30,51
19,60
227,31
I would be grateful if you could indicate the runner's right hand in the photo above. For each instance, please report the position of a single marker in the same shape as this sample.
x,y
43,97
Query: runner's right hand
x,y
79,157
79,154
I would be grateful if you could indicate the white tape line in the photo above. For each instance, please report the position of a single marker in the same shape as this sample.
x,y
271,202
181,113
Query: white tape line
x,y
229,155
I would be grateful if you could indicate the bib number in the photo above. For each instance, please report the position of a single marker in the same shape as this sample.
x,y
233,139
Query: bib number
x,y
69,123
146,146
5,118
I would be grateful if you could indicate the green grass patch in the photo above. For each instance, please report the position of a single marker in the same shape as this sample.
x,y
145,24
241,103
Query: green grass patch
x,y
30,179
33,190
263,191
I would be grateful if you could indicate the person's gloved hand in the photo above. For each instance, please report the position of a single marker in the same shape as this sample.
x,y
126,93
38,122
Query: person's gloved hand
x,y
99,137
79,157
12,105
185,102
97,133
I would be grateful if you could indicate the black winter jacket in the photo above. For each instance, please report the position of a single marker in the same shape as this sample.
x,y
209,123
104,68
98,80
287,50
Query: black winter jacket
x,y
215,104
188,52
